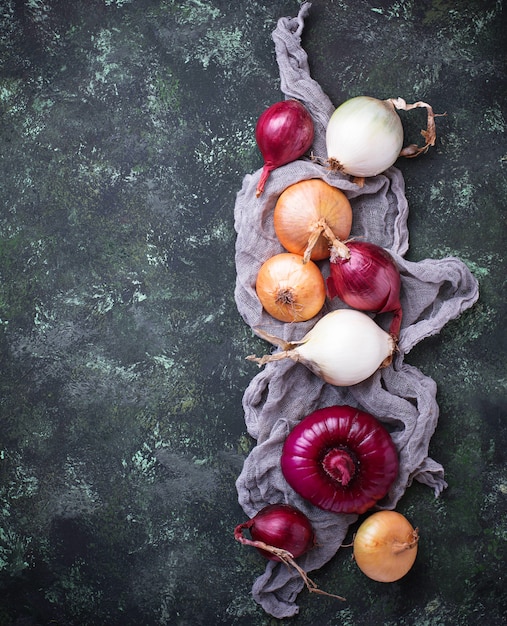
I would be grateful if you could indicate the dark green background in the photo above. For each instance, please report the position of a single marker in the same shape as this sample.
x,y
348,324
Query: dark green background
x,y
126,129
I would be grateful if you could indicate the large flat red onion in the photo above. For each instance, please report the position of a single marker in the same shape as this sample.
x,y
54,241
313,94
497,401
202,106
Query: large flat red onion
x,y
340,459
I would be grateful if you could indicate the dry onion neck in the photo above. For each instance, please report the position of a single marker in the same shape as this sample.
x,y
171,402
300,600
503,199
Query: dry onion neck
x,y
337,247
339,465
401,546
286,557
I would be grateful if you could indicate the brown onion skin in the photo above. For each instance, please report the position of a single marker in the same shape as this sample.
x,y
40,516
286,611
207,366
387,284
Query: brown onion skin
x,y
289,289
369,280
355,437
281,526
284,132
300,207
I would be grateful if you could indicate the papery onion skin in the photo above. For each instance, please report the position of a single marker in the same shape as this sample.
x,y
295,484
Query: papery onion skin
x,y
284,132
367,280
299,210
280,526
364,136
289,289
331,438
385,546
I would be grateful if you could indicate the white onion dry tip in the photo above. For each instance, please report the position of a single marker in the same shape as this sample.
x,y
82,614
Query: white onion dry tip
x,y
430,134
344,348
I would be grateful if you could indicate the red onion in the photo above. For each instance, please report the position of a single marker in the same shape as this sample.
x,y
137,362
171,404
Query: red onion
x,y
340,459
279,526
284,132
281,532
365,276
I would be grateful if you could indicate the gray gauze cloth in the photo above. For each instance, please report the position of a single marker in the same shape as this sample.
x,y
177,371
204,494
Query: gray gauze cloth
x,y
282,393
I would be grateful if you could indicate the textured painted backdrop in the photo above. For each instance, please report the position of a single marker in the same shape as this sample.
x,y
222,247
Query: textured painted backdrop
x,y
126,128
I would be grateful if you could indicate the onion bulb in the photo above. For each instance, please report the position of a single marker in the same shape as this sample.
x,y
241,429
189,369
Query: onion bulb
x,y
364,136
308,215
365,276
344,348
284,132
289,289
385,546
281,532
340,459
279,526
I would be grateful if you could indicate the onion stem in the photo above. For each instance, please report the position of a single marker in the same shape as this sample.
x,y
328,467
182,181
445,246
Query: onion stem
x,y
287,349
277,356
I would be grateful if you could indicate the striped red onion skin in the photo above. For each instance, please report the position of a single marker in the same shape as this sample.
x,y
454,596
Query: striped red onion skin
x,y
340,459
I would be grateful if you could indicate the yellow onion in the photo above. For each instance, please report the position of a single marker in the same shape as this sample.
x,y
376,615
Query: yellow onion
x,y
307,214
289,289
385,546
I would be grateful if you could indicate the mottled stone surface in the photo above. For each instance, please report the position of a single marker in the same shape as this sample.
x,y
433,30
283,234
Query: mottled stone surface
x,y
126,129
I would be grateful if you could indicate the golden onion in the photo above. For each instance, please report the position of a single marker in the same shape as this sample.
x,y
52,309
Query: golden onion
x,y
309,215
385,546
289,289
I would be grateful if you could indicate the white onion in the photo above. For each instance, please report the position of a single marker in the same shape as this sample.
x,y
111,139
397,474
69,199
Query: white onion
x,y
364,136
344,348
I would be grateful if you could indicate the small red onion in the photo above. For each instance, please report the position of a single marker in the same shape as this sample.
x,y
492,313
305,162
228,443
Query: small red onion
x,y
281,532
284,132
279,526
365,276
340,459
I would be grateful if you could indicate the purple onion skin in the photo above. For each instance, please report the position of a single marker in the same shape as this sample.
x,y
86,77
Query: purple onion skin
x,y
281,526
367,281
284,132
339,435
